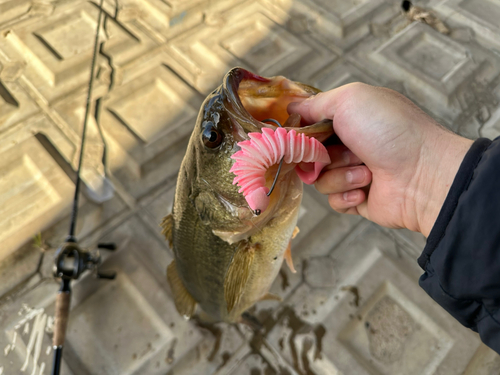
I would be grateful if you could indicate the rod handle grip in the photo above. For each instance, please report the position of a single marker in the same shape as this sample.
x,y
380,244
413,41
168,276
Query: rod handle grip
x,y
62,315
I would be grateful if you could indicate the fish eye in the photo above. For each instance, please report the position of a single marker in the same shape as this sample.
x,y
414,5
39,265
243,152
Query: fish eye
x,y
211,137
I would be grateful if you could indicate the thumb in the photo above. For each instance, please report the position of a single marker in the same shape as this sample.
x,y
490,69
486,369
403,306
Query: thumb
x,y
319,107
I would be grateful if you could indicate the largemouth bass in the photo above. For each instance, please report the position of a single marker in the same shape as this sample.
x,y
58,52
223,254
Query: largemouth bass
x,y
227,255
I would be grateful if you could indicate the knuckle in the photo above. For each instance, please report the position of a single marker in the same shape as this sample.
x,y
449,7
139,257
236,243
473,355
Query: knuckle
x,y
355,88
336,203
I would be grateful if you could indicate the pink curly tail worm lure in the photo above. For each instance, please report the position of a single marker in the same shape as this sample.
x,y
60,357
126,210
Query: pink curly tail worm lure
x,y
266,149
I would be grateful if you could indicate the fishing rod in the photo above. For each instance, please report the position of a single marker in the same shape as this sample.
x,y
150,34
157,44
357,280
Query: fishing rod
x,y
70,259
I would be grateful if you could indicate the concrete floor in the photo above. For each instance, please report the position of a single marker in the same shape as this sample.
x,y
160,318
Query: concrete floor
x,y
353,307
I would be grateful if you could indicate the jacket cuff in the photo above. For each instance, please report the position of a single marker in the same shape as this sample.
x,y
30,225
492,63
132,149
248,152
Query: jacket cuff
x,y
461,259
460,183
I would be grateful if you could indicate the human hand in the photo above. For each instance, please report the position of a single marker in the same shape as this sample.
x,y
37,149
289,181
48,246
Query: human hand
x,y
409,160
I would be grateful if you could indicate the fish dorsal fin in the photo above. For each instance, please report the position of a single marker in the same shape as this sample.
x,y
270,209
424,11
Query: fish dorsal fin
x,y
238,273
166,224
184,302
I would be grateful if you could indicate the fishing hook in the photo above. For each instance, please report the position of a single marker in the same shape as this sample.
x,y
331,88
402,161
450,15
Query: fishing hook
x,y
258,212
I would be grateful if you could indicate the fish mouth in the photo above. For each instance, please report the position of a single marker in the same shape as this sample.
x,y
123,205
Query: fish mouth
x,y
251,99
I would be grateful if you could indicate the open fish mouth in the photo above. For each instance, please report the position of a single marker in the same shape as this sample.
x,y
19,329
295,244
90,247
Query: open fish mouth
x,y
252,99
257,102
249,99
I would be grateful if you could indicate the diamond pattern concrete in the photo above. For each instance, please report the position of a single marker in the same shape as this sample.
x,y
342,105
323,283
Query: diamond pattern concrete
x,y
34,191
353,307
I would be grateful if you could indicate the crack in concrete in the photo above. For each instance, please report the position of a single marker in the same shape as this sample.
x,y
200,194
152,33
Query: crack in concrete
x,y
108,57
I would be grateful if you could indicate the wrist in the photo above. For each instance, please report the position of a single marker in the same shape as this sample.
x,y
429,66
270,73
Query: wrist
x,y
441,156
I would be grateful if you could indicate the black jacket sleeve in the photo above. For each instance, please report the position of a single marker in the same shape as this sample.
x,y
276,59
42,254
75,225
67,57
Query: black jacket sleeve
x,y
461,259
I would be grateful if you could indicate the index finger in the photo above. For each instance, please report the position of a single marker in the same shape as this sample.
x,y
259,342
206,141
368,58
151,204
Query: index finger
x,y
321,106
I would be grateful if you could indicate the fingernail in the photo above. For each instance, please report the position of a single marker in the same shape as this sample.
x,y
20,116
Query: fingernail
x,y
292,107
350,196
355,176
346,157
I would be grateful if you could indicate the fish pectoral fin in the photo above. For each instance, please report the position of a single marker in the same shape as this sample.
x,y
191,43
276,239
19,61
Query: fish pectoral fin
x,y
288,252
271,297
166,224
184,302
238,273
288,257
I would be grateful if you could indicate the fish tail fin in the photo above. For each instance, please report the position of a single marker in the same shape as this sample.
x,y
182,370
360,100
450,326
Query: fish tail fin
x,y
251,321
238,274
184,302
166,224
